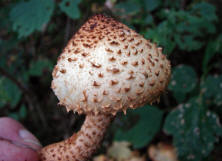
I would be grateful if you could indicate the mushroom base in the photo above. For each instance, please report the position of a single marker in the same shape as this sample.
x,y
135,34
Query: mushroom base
x,y
80,146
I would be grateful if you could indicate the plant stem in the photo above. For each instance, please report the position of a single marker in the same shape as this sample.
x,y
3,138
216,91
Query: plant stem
x,y
29,96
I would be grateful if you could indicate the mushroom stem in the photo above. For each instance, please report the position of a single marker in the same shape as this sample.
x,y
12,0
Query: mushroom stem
x,y
80,146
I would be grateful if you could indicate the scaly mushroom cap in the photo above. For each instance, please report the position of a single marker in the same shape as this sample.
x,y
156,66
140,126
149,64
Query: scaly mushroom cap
x,y
107,67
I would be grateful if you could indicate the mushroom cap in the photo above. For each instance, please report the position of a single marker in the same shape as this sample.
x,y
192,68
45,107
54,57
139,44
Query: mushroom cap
x,y
107,67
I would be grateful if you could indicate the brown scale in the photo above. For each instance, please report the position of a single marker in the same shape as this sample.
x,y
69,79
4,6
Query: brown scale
x,y
86,45
130,98
113,70
141,84
72,59
101,37
124,62
135,53
119,52
115,99
100,75
143,61
118,90
109,50
150,55
95,42
85,54
157,72
96,65
77,51
114,37
105,92
149,69
130,77
145,74
131,40
151,62
135,63
160,50
93,37
81,65
163,57
61,57
114,82
92,26
157,60
112,59
139,91
126,47
152,83
69,51
103,27
148,45
114,43
122,34
106,106
123,39
96,84
88,41
63,71
81,36
127,89
132,47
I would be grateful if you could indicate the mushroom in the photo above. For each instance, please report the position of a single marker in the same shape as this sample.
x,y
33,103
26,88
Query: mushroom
x,y
105,68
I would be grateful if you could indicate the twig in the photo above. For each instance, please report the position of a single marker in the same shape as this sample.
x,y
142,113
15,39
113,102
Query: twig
x,y
29,96
19,84
67,30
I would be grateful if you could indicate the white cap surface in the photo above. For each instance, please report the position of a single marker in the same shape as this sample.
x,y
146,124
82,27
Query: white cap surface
x,y
107,67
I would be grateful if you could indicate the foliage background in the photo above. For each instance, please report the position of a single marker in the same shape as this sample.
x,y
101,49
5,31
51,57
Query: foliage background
x,y
34,32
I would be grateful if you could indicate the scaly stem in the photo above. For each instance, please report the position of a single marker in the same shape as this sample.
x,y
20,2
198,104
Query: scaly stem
x,y
80,146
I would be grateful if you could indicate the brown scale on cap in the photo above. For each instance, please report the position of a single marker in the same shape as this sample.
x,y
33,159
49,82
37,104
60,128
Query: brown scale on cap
x,y
105,68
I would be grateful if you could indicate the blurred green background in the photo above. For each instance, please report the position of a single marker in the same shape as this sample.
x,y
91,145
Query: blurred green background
x,y
34,32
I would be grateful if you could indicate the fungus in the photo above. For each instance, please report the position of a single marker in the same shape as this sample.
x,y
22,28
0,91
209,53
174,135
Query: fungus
x,y
98,93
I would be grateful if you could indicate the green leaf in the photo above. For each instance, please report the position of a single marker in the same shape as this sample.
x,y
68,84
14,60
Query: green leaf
x,y
188,42
14,115
186,28
148,124
29,16
148,19
9,92
212,89
162,36
213,47
205,10
195,130
179,96
183,79
37,67
128,8
22,112
70,7
151,5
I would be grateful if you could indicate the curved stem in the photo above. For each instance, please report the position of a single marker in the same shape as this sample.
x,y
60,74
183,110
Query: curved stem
x,y
80,146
